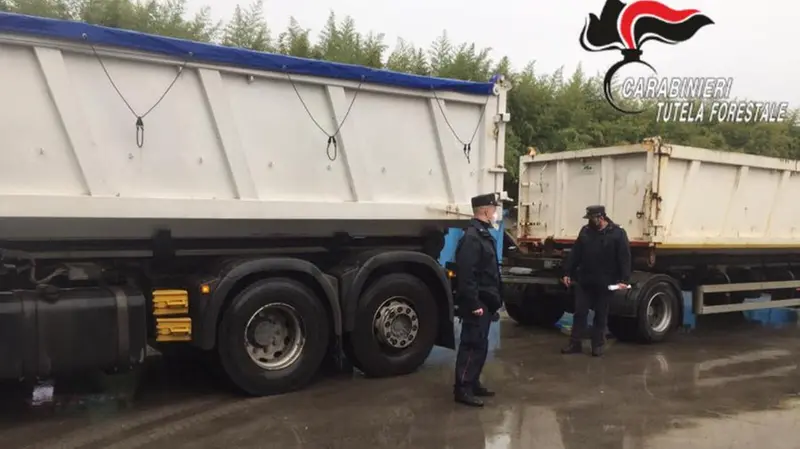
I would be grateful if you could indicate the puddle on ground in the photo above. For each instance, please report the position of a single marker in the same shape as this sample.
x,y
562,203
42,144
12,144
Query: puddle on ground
x,y
101,395
728,389
95,396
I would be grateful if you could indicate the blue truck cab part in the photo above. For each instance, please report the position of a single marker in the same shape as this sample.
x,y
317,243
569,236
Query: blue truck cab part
x,y
448,253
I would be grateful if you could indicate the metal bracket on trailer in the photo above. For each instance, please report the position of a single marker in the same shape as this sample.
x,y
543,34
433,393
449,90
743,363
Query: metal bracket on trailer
x,y
701,309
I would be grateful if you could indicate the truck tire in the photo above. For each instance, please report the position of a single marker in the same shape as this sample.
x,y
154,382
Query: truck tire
x,y
656,316
273,337
536,310
395,327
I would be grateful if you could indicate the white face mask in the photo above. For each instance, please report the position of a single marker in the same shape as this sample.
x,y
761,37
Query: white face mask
x,y
496,218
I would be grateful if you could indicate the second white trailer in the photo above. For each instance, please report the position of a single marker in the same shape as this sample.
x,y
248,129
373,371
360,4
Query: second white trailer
x,y
722,225
668,196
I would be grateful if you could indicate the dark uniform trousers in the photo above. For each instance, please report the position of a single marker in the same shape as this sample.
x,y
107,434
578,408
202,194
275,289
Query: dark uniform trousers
x,y
594,298
472,350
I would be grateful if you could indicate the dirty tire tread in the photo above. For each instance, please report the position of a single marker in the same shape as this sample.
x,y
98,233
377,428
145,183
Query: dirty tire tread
x,y
645,334
637,329
517,313
543,311
363,348
242,371
514,297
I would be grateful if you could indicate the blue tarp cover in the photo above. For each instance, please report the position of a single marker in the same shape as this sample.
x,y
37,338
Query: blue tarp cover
x,y
210,53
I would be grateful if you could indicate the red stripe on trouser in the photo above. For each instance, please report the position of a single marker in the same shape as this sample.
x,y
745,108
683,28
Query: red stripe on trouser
x,y
466,366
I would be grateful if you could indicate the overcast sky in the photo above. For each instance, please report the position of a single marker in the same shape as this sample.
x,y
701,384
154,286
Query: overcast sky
x,y
753,42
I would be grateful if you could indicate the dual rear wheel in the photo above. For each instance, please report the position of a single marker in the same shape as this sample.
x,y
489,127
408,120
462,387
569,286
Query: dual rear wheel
x,y
395,327
276,333
656,317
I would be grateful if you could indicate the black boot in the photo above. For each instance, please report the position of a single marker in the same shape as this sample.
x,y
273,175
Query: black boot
x,y
573,347
597,351
482,392
468,399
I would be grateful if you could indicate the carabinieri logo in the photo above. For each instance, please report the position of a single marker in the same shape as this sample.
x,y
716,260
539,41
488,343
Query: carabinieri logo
x,y
626,27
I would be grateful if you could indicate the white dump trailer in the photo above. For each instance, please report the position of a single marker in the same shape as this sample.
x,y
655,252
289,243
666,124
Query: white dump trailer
x,y
722,225
264,206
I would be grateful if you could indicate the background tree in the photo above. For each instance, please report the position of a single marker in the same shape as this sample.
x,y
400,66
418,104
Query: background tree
x,y
296,41
248,29
549,111
409,59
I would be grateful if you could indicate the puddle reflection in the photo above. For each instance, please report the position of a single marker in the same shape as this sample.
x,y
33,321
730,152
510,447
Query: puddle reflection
x,y
693,393
720,402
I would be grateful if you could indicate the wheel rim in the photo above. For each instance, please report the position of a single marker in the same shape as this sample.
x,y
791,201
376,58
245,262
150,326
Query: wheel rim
x,y
396,323
659,312
274,336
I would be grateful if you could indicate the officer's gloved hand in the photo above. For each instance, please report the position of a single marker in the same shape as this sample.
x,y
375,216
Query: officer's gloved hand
x,y
496,317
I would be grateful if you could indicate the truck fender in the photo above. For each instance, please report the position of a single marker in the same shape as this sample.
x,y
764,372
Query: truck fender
x,y
206,326
354,282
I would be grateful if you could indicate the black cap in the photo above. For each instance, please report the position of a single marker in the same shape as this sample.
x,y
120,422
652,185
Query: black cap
x,y
595,211
489,199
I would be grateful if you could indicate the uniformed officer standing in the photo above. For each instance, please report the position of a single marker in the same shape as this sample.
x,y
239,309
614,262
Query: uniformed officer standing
x,y
478,298
600,257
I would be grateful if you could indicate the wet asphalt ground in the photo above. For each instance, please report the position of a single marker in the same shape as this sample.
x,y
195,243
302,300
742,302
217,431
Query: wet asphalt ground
x,y
728,384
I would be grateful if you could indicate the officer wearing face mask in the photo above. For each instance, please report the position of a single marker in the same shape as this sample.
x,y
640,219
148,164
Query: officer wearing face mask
x,y
478,298
600,257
